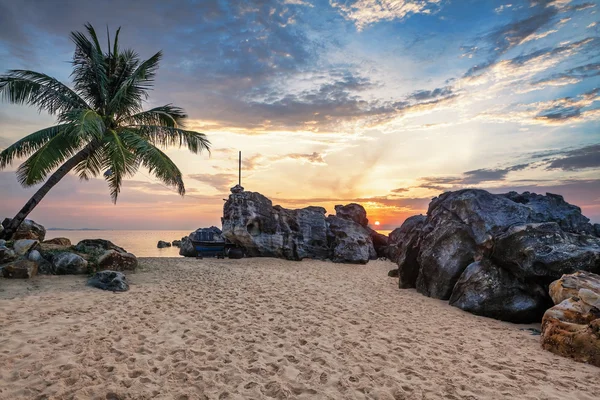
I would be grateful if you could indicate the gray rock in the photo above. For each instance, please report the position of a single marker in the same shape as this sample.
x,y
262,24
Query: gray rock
x,y
186,248
69,264
35,256
2,241
597,230
27,230
115,260
97,246
20,269
109,280
162,244
380,242
544,252
487,290
250,221
23,246
176,243
404,250
351,243
353,212
7,255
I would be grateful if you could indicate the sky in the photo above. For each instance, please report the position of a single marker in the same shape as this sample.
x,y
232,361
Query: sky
x,y
387,103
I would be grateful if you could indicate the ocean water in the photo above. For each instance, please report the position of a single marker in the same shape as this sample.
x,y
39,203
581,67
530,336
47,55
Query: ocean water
x,y
140,243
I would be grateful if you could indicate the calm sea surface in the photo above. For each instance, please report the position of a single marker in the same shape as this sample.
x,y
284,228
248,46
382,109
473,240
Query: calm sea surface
x,y
140,243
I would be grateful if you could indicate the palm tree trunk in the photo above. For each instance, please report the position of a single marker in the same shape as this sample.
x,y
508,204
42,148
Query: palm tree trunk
x,y
60,173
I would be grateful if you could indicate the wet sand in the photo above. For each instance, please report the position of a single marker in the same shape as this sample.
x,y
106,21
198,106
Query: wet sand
x,y
265,328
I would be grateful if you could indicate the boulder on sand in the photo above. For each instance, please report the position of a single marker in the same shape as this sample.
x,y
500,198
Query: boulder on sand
x,y
186,248
404,250
109,280
97,246
23,246
7,255
572,327
20,269
60,241
27,230
115,260
350,242
69,264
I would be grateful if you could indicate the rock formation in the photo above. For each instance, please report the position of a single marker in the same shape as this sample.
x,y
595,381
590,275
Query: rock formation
x,y
20,269
572,327
478,249
252,222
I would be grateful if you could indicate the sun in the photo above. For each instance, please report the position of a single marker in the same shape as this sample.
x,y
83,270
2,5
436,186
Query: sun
x,y
377,223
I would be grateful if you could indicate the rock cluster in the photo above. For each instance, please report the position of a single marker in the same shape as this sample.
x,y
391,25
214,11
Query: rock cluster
x,y
572,327
252,222
494,255
24,258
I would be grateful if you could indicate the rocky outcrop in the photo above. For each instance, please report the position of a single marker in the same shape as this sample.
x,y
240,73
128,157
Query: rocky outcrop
x,y
350,242
20,269
27,230
162,244
522,241
484,289
69,264
572,327
113,281
380,242
116,260
61,241
352,212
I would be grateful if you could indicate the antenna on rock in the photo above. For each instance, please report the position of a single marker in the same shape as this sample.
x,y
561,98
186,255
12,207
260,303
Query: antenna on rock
x,y
240,170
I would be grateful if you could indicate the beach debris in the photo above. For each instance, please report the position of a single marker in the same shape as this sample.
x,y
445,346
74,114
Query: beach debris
x,y
116,260
162,244
23,246
27,230
69,264
20,269
61,241
572,327
533,238
114,281
487,290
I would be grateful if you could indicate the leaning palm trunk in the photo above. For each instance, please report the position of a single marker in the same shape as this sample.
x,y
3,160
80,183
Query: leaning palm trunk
x,y
101,123
60,173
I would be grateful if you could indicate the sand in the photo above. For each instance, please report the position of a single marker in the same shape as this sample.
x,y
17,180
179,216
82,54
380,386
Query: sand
x,y
265,328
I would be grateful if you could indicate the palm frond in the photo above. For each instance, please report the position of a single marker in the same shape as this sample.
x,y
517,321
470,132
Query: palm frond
x,y
90,74
91,166
39,90
30,144
86,123
166,116
164,136
157,162
119,160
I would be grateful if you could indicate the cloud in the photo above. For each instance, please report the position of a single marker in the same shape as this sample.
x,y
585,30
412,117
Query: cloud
x,y
222,182
314,158
367,12
586,157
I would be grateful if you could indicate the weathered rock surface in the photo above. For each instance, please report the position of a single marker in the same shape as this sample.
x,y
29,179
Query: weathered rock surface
x,y
176,243
544,252
7,255
118,261
97,246
109,280
162,244
61,241
350,242
569,285
353,212
23,246
572,327
484,289
404,250
20,269
27,230
186,248
69,264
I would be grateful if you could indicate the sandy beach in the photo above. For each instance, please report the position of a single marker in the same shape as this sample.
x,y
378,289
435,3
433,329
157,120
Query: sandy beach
x,y
265,328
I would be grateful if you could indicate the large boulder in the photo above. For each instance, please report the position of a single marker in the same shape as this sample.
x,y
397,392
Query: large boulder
x,y
27,230
484,289
350,242
69,264
404,250
380,242
116,260
20,269
569,285
61,241
22,246
186,248
250,221
572,327
97,246
109,280
544,252
352,212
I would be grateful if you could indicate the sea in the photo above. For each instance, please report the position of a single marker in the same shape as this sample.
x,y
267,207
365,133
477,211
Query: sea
x,y
139,242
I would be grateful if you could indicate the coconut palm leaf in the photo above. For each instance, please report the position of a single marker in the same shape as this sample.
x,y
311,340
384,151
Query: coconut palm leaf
x,y
30,144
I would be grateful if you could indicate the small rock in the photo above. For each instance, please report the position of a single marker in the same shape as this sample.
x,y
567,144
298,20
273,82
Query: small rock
x,y
393,273
176,243
570,284
6,255
109,280
114,260
69,264
22,246
162,244
34,255
21,269
61,241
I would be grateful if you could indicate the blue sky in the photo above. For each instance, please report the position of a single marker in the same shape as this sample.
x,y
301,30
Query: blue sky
x,y
386,102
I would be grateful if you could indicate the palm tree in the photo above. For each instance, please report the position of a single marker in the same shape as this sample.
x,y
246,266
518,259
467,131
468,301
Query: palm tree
x,y
101,125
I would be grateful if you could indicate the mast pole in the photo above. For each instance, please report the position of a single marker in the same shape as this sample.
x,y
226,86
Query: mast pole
x,y
240,169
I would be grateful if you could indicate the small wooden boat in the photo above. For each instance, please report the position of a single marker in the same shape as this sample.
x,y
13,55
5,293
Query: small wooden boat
x,y
210,244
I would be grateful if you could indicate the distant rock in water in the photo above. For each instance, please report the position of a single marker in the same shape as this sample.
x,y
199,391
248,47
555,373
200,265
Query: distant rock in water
x,y
176,243
109,280
162,244
494,255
